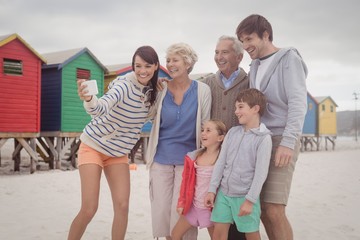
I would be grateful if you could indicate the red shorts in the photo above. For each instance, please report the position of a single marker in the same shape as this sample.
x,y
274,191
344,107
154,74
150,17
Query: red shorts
x,y
88,155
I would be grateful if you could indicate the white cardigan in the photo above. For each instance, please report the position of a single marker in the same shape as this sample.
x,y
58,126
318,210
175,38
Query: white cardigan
x,y
203,114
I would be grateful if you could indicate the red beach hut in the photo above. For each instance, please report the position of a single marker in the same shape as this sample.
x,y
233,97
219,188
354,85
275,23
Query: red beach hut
x,y
20,85
20,96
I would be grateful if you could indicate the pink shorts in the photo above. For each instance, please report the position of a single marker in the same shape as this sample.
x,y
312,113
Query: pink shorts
x,y
88,155
199,217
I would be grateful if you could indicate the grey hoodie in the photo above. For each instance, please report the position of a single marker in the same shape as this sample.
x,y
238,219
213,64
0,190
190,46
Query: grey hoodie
x,y
285,89
243,163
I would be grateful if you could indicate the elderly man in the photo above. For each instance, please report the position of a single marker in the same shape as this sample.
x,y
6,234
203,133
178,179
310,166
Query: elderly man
x,y
228,81
225,85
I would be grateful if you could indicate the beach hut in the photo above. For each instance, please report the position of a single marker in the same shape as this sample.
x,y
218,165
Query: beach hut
x,y
114,71
320,122
327,129
309,131
310,123
20,85
20,88
63,114
326,116
61,109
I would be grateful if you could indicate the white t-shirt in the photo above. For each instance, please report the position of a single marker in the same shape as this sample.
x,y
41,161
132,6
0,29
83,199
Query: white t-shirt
x,y
264,65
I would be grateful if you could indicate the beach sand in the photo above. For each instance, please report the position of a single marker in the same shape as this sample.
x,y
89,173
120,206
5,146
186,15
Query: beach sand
x,y
322,205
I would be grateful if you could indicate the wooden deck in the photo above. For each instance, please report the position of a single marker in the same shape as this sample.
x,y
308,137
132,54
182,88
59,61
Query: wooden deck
x,y
55,147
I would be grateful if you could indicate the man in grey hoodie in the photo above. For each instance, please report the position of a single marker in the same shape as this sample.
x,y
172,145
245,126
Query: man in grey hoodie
x,y
280,73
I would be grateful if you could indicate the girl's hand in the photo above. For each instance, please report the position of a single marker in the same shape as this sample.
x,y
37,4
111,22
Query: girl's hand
x,y
82,91
245,208
180,210
209,200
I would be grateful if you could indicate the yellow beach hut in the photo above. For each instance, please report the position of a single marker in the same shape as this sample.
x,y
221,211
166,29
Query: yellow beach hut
x,y
326,116
326,121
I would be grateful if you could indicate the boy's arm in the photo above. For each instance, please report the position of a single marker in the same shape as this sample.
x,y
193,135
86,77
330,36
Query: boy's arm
x,y
209,200
245,208
219,165
263,156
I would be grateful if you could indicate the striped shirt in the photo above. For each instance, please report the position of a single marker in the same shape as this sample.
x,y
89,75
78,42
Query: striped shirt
x,y
117,117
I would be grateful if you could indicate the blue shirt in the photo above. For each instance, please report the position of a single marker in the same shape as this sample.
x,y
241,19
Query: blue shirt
x,y
177,133
228,82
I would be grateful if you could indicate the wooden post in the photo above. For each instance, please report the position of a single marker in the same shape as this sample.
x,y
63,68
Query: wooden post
x,y
326,140
31,150
52,152
2,142
16,155
33,159
73,152
58,149
318,141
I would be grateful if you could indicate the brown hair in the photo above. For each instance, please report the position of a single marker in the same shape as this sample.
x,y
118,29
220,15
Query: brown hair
x,y
255,24
149,55
253,97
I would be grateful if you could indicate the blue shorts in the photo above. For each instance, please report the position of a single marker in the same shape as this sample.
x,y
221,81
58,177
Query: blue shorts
x,y
199,217
226,210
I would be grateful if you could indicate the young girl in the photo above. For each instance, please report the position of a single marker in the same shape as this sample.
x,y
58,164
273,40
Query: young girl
x,y
117,119
196,177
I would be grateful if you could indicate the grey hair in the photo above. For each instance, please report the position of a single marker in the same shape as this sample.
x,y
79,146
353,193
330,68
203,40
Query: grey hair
x,y
185,51
237,45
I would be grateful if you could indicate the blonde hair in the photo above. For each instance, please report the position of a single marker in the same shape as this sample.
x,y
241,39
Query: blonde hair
x,y
185,51
220,128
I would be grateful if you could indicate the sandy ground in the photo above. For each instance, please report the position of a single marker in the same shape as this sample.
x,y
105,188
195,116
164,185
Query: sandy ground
x,y
323,202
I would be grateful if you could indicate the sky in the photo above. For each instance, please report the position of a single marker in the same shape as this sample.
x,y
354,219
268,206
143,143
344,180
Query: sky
x,y
326,33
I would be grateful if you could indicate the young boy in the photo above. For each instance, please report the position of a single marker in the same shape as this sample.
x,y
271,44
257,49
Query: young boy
x,y
241,170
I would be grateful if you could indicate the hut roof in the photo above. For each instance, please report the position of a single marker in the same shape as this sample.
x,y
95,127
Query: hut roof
x,y
61,58
4,39
113,69
323,98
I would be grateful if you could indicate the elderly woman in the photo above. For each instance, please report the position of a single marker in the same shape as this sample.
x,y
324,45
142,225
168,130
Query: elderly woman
x,y
183,105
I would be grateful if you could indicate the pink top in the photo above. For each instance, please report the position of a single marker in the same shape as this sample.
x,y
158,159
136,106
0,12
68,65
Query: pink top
x,y
203,177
